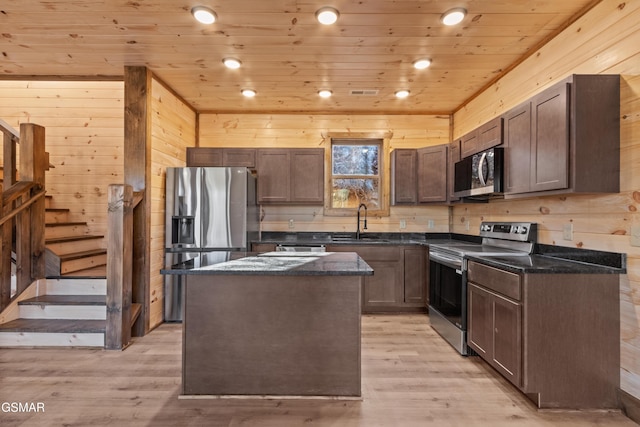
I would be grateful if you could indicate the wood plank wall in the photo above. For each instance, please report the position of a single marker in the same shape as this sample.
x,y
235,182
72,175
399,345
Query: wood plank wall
x,y
173,129
309,131
84,137
606,40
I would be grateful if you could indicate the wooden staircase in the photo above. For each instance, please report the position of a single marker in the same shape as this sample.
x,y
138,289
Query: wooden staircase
x,y
71,251
67,312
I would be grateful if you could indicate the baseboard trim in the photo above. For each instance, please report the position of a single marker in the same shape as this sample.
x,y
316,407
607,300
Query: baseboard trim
x,y
630,405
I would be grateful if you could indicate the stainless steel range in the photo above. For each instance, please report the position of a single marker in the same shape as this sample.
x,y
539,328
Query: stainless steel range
x,y
448,274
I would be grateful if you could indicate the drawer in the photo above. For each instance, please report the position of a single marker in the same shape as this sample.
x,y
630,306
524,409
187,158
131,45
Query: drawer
x,y
500,281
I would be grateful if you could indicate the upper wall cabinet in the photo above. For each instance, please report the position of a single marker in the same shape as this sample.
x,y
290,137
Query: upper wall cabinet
x,y
290,176
482,138
404,176
566,139
206,156
432,174
419,176
453,157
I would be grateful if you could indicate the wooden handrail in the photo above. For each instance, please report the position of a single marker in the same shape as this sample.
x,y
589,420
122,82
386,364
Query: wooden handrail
x,y
22,207
6,128
16,191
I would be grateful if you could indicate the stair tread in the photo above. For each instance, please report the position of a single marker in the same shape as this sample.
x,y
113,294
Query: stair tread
x,y
63,224
83,254
54,326
66,300
53,240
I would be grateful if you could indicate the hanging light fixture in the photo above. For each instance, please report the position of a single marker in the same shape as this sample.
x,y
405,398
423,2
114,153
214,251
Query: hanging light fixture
x,y
204,15
421,64
453,16
327,15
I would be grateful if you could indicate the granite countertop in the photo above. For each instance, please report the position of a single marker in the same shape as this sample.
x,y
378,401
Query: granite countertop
x,y
283,264
544,264
343,238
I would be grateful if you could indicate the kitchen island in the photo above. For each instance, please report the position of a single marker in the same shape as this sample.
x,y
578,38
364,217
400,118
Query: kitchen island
x,y
274,324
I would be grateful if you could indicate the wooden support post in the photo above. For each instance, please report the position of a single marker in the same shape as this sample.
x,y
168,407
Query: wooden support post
x,y
5,259
33,164
6,230
137,173
119,266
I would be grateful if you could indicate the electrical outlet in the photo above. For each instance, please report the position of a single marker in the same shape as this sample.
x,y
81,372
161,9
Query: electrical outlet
x,y
467,225
403,224
635,235
567,231
291,224
430,224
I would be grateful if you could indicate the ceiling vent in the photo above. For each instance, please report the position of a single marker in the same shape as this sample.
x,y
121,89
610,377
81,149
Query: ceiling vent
x,y
363,92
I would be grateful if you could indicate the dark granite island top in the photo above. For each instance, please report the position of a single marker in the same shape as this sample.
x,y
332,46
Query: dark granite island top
x,y
286,264
271,325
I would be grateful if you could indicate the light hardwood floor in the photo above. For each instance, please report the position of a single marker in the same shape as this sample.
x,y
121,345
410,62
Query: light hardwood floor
x,y
411,377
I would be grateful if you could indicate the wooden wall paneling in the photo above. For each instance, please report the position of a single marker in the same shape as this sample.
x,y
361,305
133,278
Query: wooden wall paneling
x,y
84,137
137,88
605,40
173,130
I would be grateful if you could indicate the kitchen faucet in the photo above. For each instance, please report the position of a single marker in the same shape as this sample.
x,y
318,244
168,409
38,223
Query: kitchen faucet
x,y
362,205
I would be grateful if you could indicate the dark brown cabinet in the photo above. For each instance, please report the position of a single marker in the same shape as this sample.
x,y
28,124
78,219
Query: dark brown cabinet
x,y
290,176
241,157
432,174
517,149
399,279
469,144
453,156
495,331
540,332
482,138
415,274
404,176
206,157
566,139
307,176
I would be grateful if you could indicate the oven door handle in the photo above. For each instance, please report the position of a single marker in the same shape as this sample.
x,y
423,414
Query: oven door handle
x,y
452,262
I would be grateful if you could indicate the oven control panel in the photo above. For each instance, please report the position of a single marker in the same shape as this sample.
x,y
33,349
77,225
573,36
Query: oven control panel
x,y
519,231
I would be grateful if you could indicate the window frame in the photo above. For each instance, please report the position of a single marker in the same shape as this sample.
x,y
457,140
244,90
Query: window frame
x,y
377,138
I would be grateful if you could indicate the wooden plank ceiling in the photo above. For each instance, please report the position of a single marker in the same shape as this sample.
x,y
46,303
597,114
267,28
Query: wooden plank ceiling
x,y
287,56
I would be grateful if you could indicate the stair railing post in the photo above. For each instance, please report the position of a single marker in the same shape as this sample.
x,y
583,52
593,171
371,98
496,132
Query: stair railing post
x,y
34,162
119,266
5,259
6,229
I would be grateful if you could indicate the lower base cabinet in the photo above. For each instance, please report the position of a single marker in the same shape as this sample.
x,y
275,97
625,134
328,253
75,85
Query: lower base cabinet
x,y
556,337
399,277
495,331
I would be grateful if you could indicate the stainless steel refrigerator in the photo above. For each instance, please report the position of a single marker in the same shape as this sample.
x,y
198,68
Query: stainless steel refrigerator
x,y
209,212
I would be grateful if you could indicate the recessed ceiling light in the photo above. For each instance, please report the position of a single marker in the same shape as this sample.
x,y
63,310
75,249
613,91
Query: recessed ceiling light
x,y
325,93
421,64
402,93
204,15
232,63
327,15
249,93
453,16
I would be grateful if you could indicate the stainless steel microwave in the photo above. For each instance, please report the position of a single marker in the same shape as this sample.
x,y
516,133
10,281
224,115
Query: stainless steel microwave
x,y
480,174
